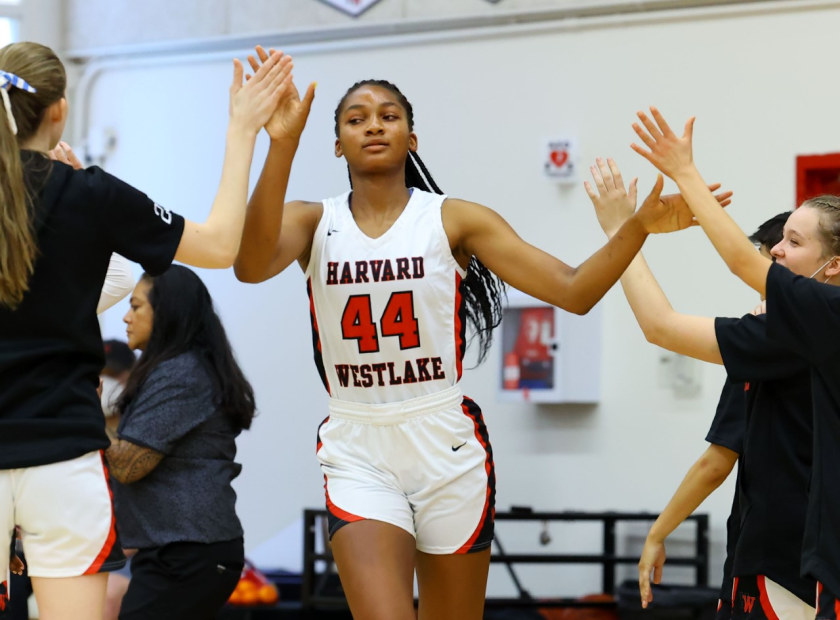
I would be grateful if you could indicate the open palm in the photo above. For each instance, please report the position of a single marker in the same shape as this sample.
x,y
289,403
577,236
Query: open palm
x,y
290,115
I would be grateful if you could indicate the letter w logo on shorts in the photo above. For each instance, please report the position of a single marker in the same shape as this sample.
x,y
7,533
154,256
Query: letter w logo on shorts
x,y
749,601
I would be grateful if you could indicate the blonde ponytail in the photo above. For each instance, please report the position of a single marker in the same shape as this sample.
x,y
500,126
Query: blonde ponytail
x,y
40,68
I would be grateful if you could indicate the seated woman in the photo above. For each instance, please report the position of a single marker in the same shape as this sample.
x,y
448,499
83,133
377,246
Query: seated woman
x,y
185,403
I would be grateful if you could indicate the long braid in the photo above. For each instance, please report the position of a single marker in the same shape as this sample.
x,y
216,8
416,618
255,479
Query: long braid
x,y
482,291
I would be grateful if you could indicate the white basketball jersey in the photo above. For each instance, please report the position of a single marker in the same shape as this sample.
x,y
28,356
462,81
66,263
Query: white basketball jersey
x,y
388,319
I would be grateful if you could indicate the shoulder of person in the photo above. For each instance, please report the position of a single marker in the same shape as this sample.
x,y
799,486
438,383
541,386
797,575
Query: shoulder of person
x,y
184,367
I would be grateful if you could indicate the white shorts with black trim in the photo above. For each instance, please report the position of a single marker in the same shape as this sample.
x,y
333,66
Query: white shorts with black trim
x,y
424,465
66,515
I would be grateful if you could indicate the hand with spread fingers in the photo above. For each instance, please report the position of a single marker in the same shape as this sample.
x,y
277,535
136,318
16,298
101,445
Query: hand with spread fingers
x,y
670,154
253,103
658,214
289,117
613,204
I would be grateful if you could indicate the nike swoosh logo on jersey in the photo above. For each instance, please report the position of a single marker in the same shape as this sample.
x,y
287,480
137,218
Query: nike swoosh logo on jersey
x,y
454,449
330,232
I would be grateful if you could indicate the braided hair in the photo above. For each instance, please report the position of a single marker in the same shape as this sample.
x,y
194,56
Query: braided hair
x,y
829,225
482,291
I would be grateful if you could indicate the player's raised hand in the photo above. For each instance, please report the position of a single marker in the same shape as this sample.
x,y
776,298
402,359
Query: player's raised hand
x,y
253,103
289,117
664,214
668,152
613,204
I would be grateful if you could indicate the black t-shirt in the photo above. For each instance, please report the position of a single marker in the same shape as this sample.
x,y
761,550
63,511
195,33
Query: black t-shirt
x,y
776,461
804,315
50,345
727,430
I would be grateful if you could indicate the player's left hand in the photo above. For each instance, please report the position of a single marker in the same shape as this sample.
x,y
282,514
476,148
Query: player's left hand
x,y
663,214
760,308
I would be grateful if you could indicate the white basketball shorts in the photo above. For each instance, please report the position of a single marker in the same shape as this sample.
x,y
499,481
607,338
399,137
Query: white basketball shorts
x,y
424,465
66,516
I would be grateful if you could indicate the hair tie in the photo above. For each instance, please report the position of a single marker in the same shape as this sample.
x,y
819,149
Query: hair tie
x,y
7,81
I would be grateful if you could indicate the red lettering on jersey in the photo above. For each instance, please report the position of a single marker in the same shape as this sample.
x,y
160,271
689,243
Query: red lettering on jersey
x,y
408,376
361,271
376,269
437,368
355,371
395,380
402,269
367,377
387,272
379,369
343,372
332,273
363,375
398,320
419,268
747,386
749,601
422,370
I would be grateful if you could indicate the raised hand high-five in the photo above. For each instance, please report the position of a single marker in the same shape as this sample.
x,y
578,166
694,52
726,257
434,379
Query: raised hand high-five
x,y
289,116
253,103
658,214
670,154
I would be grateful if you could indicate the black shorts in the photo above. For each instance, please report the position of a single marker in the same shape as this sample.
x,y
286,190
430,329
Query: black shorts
x,y
183,581
828,606
724,610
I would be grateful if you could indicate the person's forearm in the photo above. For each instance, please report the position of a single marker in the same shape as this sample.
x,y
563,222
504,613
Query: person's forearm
x,y
227,216
119,282
264,216
646,298
602,270
729,240
697,485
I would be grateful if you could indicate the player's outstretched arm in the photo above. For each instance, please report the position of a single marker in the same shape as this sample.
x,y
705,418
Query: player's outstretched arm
x,y
277,234
674,157
706,475
693,336
475,230
215,243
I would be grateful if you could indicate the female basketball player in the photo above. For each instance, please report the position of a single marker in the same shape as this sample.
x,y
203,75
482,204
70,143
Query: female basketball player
x,y
777,444
59,227
394,272
802,316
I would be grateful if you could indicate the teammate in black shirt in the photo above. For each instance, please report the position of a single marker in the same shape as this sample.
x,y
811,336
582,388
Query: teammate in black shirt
x,y
774,473
802,314
59,227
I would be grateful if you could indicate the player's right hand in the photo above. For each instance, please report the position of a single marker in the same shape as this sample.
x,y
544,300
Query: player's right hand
x,y
289,117
253,103
652,560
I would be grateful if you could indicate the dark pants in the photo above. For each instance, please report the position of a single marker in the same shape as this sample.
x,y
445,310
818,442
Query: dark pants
x,y
182,581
